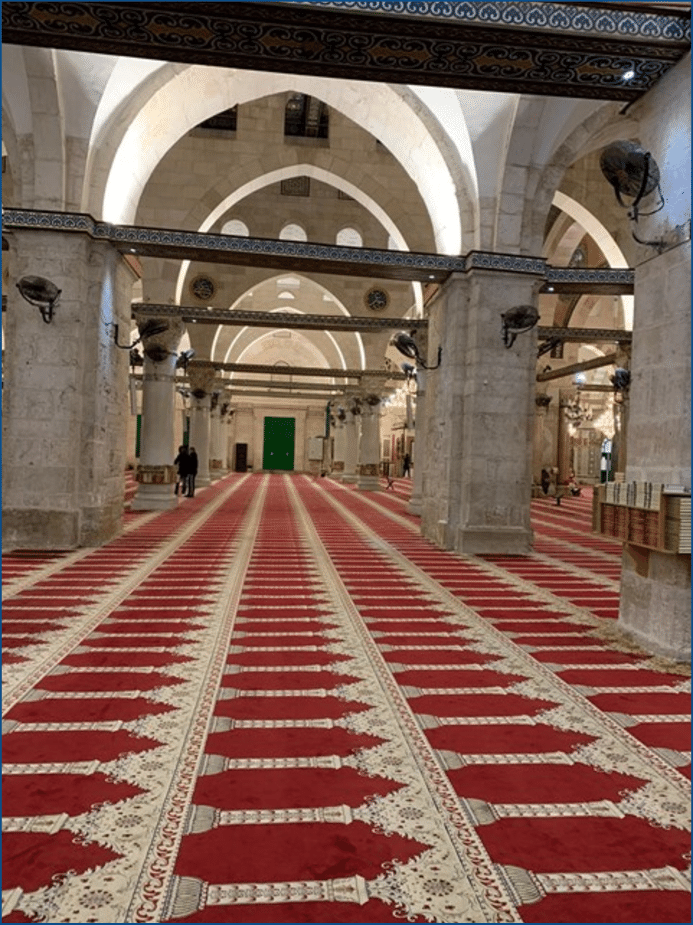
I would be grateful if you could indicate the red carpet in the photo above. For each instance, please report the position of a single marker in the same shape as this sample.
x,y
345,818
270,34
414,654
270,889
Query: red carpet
x,y
277,703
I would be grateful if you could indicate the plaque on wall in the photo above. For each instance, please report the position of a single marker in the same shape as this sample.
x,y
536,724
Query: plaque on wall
x,y
376,299
203,288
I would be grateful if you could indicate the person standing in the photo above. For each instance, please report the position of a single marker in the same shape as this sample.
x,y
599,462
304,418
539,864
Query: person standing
x,y
545,481
406,465
181,461
192,471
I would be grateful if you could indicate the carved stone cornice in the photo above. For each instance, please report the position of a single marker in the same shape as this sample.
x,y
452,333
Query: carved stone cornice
x,y
304,257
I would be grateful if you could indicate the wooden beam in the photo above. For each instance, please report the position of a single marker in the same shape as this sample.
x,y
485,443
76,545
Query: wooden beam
x,y
585,335
607,360
191,314
298,370
587,288
596,388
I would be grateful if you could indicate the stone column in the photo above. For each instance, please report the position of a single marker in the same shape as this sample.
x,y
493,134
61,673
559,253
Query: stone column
x,y
156,474
351,441
201,385
339,418
480,411
540,457
419,444
619,450
655,606
216,431
65,395
565,403
368,468
225,418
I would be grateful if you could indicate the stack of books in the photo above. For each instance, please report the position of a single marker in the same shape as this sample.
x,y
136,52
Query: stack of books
x,y
677,526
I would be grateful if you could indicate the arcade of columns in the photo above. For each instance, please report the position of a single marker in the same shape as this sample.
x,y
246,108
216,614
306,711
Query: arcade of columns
x,y
66,385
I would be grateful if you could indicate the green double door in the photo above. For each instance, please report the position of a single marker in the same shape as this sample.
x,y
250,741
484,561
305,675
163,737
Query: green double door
x,y
278,444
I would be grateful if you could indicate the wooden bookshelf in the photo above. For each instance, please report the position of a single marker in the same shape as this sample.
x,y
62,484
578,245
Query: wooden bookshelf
x,y
643,514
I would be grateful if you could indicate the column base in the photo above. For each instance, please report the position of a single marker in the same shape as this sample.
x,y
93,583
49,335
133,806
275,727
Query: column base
x,y
349,478
154,498
655,605
507,541
415,505
368,483
202,481
34,529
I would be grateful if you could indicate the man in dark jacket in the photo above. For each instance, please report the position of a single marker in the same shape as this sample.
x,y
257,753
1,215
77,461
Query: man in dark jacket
x,y
192,471
181,461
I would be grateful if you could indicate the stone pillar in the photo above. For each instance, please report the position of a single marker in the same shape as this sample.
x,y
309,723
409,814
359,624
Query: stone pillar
x,y
419,444
565,403
619,447
156,474
225,418
540,457
655,606
480,416
216,432
340,415
65,395
368,468
202,380
351,441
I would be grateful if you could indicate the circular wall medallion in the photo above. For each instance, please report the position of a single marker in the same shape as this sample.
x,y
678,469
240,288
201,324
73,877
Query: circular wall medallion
x,y
203,288
376,299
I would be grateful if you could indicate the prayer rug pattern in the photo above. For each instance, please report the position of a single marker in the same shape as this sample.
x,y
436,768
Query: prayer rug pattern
x,y
277,702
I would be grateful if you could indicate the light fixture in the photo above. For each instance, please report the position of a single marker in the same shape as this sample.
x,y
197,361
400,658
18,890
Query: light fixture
x,y
629,74
518,320
574,412
634,173
406,345
41,292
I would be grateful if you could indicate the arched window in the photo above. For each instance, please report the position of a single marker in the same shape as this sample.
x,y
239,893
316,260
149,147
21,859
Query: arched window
x,y
235,226
222,121
292,232
349,237
305,117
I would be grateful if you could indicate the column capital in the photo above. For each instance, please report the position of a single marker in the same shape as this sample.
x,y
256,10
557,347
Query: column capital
x,y
160,336
201,379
